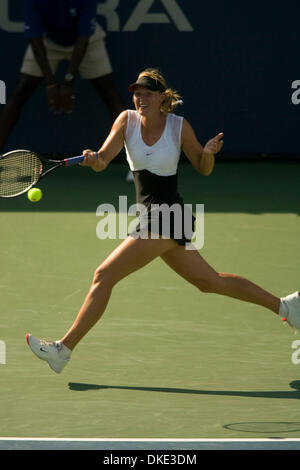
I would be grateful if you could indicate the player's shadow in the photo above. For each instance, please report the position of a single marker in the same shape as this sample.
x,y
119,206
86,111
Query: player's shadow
x,y
286,394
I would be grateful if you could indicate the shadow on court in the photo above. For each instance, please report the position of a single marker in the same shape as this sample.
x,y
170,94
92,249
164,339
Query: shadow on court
x,y
244,187
284,394
264,427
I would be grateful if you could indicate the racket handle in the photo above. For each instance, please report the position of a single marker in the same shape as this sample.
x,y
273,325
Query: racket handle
x,y
73,160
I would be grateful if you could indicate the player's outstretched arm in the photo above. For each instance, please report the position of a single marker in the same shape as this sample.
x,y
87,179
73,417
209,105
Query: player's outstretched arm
x,y
112,146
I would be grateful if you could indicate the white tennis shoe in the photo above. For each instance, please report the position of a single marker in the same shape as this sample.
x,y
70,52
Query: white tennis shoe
x,y
55,353
292,306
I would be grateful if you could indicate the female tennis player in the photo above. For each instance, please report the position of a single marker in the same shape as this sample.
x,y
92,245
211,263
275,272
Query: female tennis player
x,y
154,137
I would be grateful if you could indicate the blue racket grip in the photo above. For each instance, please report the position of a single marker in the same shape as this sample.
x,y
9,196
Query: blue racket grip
x,y
73,160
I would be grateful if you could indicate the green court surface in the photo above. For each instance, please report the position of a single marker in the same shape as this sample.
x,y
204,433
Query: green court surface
x,y
166,361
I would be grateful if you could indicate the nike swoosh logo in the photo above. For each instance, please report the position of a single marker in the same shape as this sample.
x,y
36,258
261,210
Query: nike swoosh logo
x,y
43,350
147,154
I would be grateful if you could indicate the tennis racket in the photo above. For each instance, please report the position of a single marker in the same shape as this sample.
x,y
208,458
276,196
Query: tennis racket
x,y
20,170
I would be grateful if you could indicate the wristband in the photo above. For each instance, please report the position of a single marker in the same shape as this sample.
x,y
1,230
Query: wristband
x,y
51,86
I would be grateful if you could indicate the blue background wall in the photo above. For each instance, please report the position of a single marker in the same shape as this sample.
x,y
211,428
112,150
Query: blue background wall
x,y
234,65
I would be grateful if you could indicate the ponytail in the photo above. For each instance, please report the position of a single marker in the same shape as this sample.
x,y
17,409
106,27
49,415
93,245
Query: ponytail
x,y
172,97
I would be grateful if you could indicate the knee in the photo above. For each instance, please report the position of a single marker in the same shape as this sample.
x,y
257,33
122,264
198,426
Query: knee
x,y
210,286
103,276
205,286
24,90
18,97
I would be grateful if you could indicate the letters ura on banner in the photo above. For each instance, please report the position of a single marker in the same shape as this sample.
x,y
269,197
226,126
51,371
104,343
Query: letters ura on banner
x,y
140,14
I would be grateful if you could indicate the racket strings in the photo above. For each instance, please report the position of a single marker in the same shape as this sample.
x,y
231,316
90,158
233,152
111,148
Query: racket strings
x,y
18,172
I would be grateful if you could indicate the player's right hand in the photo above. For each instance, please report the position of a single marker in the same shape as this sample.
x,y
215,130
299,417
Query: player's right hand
x,y
90,157
67,98
54,99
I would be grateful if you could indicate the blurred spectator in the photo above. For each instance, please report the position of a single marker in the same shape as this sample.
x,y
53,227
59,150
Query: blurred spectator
x,y
61,30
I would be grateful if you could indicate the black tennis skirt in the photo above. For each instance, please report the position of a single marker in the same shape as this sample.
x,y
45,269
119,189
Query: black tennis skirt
x,y
162,212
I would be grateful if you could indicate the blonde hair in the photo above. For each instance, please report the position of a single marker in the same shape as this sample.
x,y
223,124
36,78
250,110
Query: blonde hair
x,y
172,97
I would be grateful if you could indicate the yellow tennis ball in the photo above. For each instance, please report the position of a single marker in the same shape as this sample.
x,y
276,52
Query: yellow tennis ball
x,y
34,194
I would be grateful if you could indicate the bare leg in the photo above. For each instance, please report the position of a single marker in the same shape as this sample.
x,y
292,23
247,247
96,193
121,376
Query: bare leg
x,y
128,257
192,267
109,93
11,112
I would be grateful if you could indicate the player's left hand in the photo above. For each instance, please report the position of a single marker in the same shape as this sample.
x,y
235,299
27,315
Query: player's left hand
x,y
67,97
214,145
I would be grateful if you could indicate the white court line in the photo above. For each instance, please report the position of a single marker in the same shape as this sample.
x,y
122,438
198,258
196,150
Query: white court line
x,y
135,444
79,439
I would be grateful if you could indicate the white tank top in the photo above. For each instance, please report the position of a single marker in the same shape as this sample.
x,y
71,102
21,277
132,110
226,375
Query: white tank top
x,y
162,157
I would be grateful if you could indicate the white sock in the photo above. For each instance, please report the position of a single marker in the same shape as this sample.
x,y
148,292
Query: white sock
x,y
64,350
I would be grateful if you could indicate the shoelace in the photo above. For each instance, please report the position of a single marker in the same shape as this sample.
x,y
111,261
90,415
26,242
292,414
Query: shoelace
x,y
44,342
